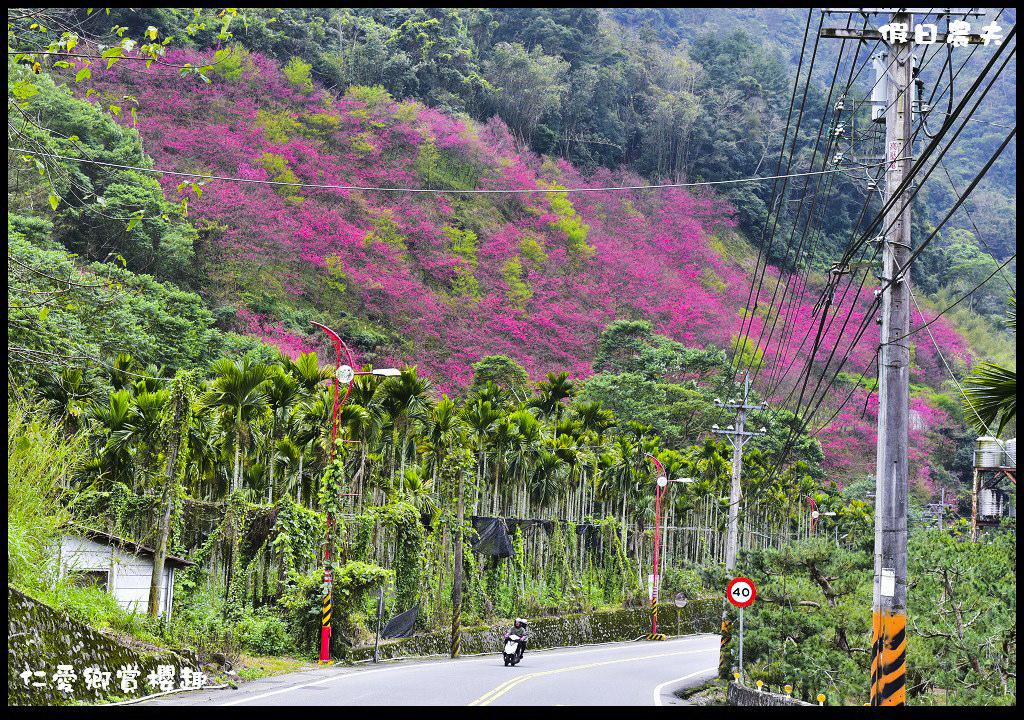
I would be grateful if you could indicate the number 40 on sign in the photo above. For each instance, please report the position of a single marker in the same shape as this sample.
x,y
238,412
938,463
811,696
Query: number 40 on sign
x,y
741,592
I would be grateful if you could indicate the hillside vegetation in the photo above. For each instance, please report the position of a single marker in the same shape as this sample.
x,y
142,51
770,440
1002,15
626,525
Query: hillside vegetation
x,y
176,228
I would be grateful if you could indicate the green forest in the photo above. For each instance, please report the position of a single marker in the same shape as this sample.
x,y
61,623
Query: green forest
x,y
166,384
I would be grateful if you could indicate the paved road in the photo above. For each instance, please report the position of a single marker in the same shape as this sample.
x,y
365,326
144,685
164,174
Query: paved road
x,y
632,673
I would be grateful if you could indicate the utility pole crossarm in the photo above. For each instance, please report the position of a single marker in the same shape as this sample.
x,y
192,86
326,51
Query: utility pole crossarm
x,y
912,11
867,34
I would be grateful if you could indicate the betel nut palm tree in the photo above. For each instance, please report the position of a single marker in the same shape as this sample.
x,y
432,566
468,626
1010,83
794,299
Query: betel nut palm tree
x,y
238,391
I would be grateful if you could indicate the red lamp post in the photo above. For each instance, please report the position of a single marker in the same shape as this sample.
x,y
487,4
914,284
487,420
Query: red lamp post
x,y
815,514
659,490
342,374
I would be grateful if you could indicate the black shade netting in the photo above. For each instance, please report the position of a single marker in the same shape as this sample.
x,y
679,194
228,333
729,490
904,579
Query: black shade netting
x,y
492,537
401,625
590,535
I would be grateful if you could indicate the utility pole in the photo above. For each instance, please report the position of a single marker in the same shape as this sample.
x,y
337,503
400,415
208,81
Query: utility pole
x,y
889,605
738,437
457,578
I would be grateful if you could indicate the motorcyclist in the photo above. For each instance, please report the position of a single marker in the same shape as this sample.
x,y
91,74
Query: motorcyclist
x,y
519,628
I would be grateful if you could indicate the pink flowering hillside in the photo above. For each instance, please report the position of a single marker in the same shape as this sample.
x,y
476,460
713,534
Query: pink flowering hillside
x,y
439,280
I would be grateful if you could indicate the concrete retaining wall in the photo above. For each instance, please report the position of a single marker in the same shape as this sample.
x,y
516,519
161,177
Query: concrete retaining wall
x,y
40,638
742,695
699,616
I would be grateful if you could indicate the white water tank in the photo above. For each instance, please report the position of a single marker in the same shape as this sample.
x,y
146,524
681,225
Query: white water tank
x,y
1010,459
990,503
988,453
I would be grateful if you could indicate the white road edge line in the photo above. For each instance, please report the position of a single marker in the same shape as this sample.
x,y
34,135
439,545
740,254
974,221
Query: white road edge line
x,y
657,690
411,665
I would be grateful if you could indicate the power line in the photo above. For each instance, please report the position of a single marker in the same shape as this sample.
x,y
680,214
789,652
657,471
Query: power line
x,y
975,289
976,230
938,352
906,182
416,190
779,353
778,213
934,342
832,140
748,308
864,323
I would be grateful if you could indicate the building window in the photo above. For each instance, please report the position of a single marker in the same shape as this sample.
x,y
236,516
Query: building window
x,y
93,578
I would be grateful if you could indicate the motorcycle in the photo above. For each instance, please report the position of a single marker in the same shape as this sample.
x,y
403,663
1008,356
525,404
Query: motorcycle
x,y
512,650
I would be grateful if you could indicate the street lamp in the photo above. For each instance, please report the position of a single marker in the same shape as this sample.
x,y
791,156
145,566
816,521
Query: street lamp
x,y
342,374
661,484
815,514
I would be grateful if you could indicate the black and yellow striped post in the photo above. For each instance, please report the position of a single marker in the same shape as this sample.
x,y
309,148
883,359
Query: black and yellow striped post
x,y
654,612
889,659
456,632
654,635
325,627
723,649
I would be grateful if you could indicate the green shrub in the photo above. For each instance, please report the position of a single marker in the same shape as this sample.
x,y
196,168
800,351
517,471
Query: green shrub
x,y
298,75
232,63
263,635
40,460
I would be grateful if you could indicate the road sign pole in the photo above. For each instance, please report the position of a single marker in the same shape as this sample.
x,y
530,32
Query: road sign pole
x,y
741,646
741,593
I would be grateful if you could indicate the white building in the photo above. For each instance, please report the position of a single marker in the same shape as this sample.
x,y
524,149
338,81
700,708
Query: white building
x,y
121,567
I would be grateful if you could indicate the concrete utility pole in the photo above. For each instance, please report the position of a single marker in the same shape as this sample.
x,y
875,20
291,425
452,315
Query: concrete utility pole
x,y
738,437
889,607
889,604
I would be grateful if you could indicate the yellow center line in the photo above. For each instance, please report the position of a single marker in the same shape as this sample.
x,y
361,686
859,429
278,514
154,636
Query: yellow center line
x,y
492,695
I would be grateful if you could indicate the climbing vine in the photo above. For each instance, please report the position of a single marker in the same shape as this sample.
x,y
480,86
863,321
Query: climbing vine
x,y
402,521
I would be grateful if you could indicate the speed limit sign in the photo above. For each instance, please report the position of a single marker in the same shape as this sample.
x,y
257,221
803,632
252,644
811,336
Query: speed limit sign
x,y
741,592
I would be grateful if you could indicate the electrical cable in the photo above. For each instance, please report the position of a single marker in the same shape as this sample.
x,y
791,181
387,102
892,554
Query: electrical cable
x,y
782,302
916,168
938,352
808,416
958,71
416,190
778,282
833,139
864,324
976,230
934,143
749,308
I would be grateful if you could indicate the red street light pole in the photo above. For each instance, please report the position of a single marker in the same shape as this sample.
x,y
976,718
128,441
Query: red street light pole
x,y
659,490
815,514
345,374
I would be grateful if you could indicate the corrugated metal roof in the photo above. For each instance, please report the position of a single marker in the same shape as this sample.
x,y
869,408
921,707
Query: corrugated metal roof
x,y
134,547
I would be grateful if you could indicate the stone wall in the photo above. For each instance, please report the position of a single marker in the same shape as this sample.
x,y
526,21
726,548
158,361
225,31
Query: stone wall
x,y
699,616
40,638
742,695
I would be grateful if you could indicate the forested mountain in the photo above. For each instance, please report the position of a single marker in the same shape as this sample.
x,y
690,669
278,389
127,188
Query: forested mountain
x,y
465,195
670,95
667,92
